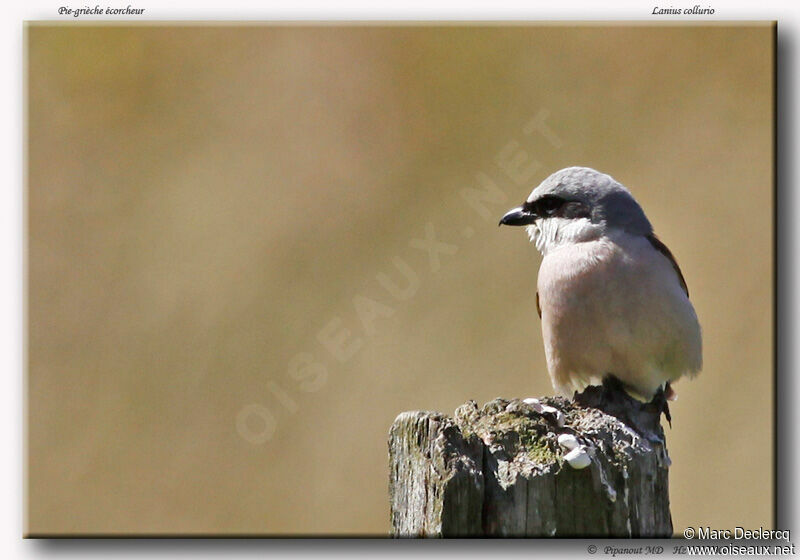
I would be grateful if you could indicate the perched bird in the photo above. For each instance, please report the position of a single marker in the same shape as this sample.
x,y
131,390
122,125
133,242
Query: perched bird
x,y
611,297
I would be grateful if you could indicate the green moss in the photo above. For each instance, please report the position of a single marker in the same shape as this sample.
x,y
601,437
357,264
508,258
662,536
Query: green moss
x,y
531,433
541,453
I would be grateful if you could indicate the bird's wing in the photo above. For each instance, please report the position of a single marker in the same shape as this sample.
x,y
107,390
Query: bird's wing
x,y
664,250
538,307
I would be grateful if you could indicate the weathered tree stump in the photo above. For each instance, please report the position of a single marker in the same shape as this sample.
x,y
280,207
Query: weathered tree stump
x,y
506,470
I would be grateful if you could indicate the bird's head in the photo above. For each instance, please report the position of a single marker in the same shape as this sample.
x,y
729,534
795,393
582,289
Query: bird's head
x,y
577,204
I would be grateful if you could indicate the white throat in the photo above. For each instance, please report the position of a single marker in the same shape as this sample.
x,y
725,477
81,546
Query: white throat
x,y
550,233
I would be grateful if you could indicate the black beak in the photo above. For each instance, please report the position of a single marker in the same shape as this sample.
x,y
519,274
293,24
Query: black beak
x,y
518,217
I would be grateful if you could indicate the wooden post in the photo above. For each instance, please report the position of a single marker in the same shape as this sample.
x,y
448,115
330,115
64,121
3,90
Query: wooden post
x,y
536,468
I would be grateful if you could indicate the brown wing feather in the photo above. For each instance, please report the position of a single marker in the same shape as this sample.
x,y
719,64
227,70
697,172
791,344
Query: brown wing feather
x,y
661,248
538,307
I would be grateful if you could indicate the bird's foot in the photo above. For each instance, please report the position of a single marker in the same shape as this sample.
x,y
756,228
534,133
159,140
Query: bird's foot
x,y
612,398
660,402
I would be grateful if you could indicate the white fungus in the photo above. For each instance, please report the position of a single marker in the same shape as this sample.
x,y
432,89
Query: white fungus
x,y
560,419
578,458
568,441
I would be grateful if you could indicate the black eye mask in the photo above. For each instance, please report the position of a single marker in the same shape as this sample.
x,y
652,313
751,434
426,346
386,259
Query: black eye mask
x,y
555,206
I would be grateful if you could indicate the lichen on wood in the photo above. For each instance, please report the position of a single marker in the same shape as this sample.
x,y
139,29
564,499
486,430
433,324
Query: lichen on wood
x,y
499,471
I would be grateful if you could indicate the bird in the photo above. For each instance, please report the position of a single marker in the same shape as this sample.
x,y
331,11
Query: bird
x,y
613,302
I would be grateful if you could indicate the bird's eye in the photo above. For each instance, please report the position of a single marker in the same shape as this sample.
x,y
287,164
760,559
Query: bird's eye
x,y
548,205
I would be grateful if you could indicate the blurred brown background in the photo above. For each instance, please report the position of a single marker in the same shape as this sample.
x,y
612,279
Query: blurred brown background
x,y
204,200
